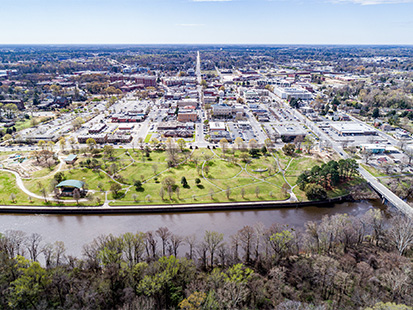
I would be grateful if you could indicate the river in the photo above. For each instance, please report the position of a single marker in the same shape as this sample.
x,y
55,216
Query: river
x,y
77,230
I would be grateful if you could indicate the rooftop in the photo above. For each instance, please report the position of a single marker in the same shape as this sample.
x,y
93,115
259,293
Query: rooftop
x,y
71,183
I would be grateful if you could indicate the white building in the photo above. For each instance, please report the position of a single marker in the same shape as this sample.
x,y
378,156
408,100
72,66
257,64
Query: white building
x,y
216,126
221,110
352,129
286,92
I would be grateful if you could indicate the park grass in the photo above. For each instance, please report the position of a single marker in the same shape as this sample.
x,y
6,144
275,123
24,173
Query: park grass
x,y
276,179
8,186
202,154
282,158
153,189
27,123
219,169
44,172
202,194
291,177
263,162
303,163
301,196
232,183
154,156
222,174
91,178
142,171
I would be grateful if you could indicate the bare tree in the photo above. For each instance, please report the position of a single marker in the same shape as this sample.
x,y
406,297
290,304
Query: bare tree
x,y
235,244
191,242
176,241
164,234
247,241
33,246
47,251
59,253
228,192
213,239
150,244
12,242
202,250
44,194
401,233
133,247
76,195
367,156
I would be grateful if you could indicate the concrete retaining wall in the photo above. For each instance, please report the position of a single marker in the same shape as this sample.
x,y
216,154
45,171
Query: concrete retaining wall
x,y
235,206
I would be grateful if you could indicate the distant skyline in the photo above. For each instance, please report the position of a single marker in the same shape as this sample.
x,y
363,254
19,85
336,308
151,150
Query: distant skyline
x,y
206,22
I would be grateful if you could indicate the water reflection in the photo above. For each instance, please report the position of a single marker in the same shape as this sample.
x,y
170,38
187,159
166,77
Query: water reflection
x,y
77,230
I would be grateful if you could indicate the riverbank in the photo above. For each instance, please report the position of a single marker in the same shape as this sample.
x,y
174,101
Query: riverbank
x,y
172,208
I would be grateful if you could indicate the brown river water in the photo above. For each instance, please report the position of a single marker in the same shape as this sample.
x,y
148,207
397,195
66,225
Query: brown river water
x,y
78,230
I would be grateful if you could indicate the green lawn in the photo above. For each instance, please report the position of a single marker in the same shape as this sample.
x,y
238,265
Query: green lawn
x,y
27,123
134,165
220,169
283,159
8,186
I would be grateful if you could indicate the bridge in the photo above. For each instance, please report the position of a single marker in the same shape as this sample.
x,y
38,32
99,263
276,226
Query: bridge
x,y
386,194
382,190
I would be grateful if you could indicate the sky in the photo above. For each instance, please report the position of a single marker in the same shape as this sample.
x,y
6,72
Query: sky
x,y
206,22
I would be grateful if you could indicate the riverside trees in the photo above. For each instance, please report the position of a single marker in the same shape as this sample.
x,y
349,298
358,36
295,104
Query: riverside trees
x,y
342,262
316,181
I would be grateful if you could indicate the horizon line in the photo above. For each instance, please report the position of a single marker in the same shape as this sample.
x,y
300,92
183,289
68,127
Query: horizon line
x,y
207,44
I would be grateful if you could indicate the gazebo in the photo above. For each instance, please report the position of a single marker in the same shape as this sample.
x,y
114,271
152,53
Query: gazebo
x,y
67,188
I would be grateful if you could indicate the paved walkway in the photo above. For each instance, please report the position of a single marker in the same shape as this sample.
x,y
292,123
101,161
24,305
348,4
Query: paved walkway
x,y
20,184
202,207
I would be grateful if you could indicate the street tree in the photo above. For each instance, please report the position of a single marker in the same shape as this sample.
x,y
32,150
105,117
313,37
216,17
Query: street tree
x,y
223,143
253,144
91,143
62,143
181,143
238,142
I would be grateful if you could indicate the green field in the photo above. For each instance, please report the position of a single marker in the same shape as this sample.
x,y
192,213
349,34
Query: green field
x,y
8,187
220,178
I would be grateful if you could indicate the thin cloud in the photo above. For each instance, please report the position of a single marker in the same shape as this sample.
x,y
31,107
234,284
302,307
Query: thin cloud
x,y
372,2
191,25
211,0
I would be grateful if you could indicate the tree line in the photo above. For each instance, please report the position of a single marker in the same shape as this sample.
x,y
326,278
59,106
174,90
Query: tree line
x,y
319,179
341,262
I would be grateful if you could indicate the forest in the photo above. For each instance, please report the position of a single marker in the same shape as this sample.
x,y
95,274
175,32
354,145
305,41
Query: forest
x,y
340,262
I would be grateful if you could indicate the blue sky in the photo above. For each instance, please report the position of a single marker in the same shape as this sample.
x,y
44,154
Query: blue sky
x,y
206,21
